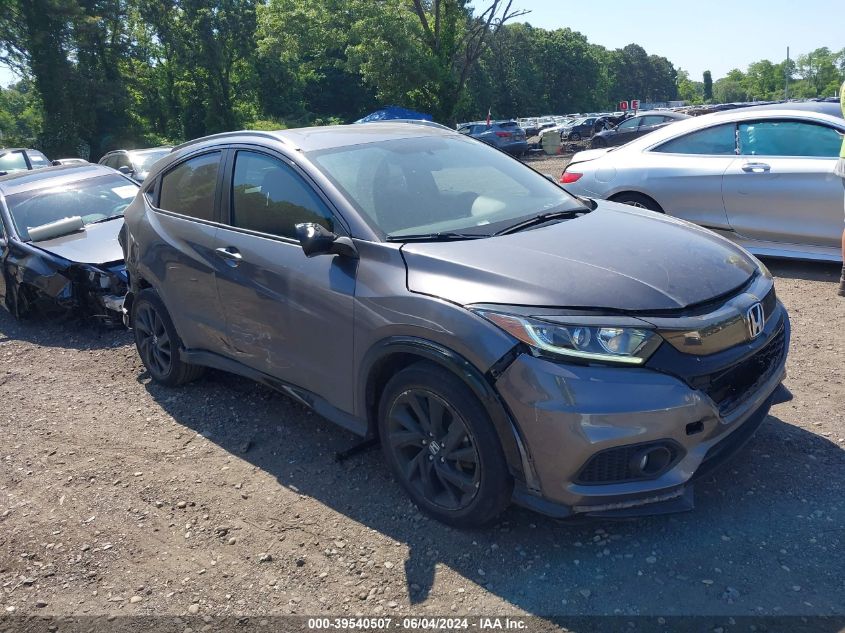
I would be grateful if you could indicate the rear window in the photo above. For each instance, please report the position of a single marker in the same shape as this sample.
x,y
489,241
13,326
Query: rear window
x,y
509,124
37,159
188,189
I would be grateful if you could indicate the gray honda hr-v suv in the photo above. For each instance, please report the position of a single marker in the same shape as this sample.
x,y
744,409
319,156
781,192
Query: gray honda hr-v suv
x,y
502,339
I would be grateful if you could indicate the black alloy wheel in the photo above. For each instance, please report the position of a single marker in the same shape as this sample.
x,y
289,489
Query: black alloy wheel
x,y
158,343
442,447
434,449
154,344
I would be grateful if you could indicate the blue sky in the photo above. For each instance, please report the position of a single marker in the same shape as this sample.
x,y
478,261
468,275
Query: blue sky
x,y
699,35
695,35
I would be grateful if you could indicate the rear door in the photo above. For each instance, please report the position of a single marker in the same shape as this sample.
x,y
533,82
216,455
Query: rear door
x,y
288,315
182,259
781,188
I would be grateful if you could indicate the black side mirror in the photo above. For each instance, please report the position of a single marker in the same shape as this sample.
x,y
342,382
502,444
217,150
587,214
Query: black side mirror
x,y
318,240
55,163
126,169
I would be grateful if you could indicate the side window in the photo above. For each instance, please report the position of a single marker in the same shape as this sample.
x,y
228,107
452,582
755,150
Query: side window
x,y
718,140
788,138
12,161
630,125
109,161
270,197
652,119
121,160
37,159
189,187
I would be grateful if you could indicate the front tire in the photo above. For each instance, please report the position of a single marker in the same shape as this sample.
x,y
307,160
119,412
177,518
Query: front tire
x,y
441,445
575,136
158,343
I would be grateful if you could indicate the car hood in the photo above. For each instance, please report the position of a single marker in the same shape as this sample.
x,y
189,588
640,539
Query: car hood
x,y
616,258
97,244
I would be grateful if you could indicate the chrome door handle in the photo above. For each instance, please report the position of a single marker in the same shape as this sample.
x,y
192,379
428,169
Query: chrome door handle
x,y
230,254
755,168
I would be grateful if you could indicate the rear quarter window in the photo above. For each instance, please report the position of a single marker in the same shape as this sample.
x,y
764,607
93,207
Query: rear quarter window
x,y
718,140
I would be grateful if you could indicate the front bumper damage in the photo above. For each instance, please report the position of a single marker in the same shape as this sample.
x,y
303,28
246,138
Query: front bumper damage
x,y
49,287
584,426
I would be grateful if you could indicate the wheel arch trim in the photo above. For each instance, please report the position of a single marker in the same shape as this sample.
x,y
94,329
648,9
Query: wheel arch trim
x,y
480,383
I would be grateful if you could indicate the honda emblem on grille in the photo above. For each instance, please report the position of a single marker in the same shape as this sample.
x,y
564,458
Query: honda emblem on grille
x,y
756,320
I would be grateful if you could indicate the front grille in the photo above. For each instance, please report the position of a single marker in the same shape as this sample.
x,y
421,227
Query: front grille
x,y
614,464
729,387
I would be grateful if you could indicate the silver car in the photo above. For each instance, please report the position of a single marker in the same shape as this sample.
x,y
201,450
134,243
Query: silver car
x,y
761,178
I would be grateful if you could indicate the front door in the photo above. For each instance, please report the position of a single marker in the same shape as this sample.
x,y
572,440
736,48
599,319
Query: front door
x,y
288,315
782,187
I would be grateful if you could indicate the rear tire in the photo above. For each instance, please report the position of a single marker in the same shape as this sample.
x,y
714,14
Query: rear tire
x,y
441,445
637,200
158,343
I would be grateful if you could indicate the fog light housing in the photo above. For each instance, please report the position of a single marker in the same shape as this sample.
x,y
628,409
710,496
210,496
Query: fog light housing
x,y
651,460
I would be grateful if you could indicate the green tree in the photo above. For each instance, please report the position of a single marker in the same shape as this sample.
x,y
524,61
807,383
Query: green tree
x,y
688,90
303,61
708,86
422,52
20,114
35,37
819,72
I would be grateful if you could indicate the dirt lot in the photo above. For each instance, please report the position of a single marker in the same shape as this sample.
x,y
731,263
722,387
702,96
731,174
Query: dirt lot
x,y
118,496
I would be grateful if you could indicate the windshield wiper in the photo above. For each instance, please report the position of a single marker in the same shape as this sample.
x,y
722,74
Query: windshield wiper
x,y
435,237
542,218
111,217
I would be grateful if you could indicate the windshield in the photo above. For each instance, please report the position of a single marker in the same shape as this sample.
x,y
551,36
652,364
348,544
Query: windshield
x,y
144,160
93,199
417,186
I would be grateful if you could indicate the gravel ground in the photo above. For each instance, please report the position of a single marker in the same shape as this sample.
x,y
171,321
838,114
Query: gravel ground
x,y
121,497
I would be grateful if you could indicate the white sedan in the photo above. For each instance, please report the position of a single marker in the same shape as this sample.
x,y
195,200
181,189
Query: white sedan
x,y
763,178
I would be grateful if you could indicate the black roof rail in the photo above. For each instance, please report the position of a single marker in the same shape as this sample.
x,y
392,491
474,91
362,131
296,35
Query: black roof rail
x,y
223,135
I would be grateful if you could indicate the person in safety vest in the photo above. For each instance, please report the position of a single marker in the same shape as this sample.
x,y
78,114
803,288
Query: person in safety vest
x,y
840,171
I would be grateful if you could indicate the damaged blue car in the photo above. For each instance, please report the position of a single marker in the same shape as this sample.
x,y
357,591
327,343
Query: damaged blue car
x,y
59,250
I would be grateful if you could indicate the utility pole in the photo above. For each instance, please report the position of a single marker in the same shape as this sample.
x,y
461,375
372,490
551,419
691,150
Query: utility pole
x,y
786,76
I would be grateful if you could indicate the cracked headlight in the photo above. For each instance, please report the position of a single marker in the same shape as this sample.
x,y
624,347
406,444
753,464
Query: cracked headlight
x,y
630,345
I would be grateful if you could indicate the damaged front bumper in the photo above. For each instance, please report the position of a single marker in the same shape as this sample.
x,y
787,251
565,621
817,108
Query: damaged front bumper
x,y
51,287
591,432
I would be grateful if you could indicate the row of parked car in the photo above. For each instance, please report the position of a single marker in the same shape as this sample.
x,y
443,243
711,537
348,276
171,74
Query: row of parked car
x,y
430,293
